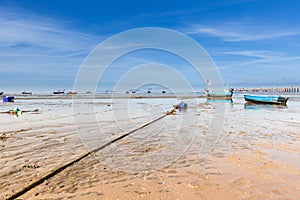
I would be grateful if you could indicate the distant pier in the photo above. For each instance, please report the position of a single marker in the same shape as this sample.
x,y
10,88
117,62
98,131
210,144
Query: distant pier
x,y
291,89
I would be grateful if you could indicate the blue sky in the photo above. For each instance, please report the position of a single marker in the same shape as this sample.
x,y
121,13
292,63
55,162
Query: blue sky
x,y
43,43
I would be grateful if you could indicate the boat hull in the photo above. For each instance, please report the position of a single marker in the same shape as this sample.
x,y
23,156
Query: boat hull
x,y
59,92
8,98
219,95
27,93
266,99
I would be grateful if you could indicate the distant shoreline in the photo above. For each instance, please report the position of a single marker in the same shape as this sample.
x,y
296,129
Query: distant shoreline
x,y
119,95
78,97
104,96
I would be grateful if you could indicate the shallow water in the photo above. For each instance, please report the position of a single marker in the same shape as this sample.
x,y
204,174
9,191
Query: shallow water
x,y
206,131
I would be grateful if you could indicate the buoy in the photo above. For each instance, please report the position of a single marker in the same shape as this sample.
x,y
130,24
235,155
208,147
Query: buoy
x,y
182,105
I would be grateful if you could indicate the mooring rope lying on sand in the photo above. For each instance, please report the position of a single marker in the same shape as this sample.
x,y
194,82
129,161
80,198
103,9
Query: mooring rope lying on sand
x,y
60,169
23,111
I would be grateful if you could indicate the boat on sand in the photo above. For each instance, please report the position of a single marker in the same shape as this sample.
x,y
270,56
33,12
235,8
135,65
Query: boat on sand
x,y
266,99
72,92
226,94
28,93
59,92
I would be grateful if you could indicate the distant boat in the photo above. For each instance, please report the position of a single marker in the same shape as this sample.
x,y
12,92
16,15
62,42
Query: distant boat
x,y
29,93
227,94
133,91
72,92
149,90
59,92
267,99
8,98
163,91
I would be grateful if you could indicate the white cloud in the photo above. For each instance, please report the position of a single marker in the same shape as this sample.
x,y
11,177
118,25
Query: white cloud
x,y
259,59
254,54
263,55
46,35
37,46
237,32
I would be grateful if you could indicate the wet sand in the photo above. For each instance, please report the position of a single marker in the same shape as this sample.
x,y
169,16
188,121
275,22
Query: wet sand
x,y
256,155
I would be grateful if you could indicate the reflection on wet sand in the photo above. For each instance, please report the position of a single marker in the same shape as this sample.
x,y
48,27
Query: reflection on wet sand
x,y
259,106
219,101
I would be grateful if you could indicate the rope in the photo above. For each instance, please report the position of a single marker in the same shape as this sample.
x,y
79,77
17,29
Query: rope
x,y
60,169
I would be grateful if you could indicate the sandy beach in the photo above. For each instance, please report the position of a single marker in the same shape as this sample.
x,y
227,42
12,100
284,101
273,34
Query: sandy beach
x,y
255,155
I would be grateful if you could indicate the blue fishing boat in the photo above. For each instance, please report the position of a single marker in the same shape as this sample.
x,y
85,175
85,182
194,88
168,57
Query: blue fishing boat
x,y
226,94
8,98
267,99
